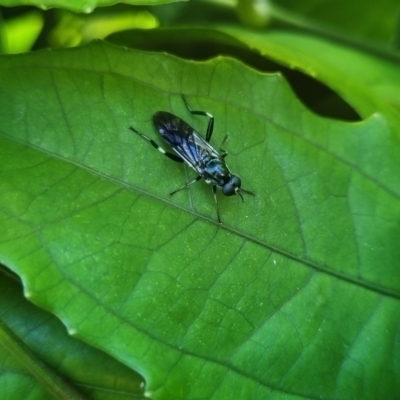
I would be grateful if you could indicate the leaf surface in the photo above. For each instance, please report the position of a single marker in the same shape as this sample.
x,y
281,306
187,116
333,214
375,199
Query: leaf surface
x,y
295,295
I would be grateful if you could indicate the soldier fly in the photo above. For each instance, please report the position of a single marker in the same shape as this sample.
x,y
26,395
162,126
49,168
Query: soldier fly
x,y
196,152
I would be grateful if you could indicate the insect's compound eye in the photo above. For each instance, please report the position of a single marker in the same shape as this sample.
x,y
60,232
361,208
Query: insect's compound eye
x,y
230,188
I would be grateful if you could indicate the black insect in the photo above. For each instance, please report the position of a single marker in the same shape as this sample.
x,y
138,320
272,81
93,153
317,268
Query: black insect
x,y
196,152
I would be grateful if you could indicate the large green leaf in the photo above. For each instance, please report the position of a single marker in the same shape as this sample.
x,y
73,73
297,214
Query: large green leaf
x,y
295,295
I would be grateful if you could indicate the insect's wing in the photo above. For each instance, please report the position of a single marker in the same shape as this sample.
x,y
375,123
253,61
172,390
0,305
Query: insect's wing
x,y
181,137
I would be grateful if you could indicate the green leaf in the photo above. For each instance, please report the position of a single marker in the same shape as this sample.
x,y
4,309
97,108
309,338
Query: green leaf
x,y
373,21
85,6
368,81
20,33
90,370
295,295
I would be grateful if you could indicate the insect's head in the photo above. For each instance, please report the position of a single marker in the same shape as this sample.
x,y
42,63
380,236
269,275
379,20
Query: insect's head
x,y
232,186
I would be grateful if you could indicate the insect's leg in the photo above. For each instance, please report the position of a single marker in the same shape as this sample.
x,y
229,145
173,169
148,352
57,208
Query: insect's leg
x,y
186,185
210,126
224,153
214,189
156,146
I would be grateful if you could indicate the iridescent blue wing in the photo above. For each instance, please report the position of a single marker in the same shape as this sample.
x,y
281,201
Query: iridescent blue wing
x,y
183,139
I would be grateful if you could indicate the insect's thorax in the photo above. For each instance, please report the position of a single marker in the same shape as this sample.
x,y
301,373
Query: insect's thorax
x,y
215,171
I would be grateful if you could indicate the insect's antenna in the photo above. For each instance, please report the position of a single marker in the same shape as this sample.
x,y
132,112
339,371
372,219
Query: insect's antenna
x,y
247,191
237,190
